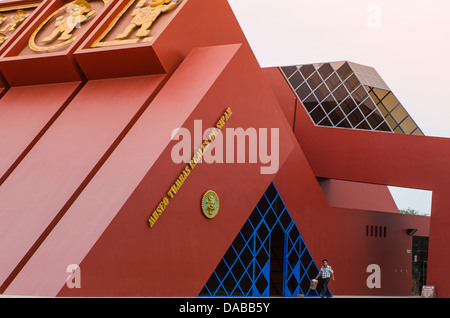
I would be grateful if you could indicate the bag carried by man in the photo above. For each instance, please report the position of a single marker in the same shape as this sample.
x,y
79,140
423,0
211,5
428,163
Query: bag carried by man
x,y
313,283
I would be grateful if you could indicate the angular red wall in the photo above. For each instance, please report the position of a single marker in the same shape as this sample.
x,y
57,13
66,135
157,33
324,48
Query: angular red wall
x,y
386,159
93,160
339,234
178,254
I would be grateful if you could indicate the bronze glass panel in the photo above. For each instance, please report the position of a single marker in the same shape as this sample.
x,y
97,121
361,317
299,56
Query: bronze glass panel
x,y
398,130
383,127
355,117
336,115
325,70
408,125
344,71
399,113
344,124
340,93
296,79
359,94
380,93
288,70
375,119
348,105
391,121
321,92
417,132
363,125
374,97
390,101
326,122
333,81
303,91
367,106
328,103
351,83
382,109
310,103
307,70
314,81
317,114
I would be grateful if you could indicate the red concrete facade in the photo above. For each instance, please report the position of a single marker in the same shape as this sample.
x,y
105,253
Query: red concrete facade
x,y
86,139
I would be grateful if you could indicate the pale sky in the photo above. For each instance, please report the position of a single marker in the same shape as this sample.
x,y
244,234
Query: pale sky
x,y
407,42
419,200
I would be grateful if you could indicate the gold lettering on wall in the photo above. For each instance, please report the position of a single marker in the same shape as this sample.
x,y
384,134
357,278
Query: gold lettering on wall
x,y
175,187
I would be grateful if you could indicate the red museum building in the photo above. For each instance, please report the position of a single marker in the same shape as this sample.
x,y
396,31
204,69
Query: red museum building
x,y
92,202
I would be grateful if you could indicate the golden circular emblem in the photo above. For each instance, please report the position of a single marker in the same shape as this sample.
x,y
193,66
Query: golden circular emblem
x,y
210,204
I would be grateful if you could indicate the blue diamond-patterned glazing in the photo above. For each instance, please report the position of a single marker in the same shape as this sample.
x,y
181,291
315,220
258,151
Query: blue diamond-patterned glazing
x,y
245,268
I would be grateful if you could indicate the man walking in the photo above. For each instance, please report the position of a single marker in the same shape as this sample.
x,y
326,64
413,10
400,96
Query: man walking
x,y
325,271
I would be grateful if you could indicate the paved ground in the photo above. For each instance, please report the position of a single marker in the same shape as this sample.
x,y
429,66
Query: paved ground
x,y
335,296
359,296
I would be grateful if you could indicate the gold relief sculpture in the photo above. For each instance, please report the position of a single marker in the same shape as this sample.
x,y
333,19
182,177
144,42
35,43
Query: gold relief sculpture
x,y
3,38
80,11
143,18
16,20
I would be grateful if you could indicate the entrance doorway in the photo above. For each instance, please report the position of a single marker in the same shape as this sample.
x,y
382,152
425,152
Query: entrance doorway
x,y
419,263
276,261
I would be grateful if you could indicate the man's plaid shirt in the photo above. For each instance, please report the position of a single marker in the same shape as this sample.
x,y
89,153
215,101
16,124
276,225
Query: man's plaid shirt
x,y
326,271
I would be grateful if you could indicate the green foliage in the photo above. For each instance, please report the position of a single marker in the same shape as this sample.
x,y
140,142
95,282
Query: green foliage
x,y
411,211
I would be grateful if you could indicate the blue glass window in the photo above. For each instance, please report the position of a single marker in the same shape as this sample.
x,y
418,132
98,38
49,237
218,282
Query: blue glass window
x,y
267,258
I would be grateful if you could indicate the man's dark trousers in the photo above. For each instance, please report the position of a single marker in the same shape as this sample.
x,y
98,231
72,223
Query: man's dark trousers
x,y
325,282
